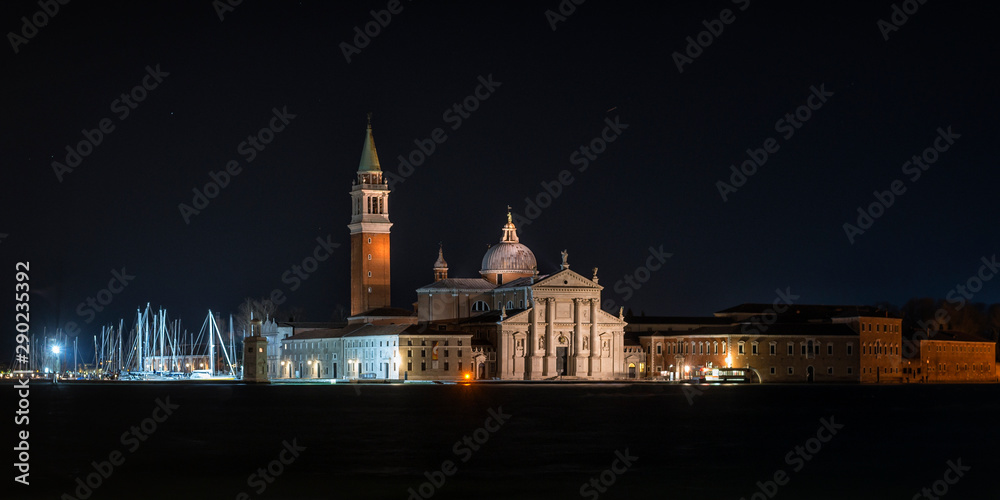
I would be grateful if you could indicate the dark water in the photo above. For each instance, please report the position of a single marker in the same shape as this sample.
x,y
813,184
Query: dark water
x,y
378,441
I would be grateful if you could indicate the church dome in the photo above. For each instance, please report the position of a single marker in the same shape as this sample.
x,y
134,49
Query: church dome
x,y
509,259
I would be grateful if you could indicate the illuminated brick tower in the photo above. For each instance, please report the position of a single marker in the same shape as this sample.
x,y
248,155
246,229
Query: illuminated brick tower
x,y
369,233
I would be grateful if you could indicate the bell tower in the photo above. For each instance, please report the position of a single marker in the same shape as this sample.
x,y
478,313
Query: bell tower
x,y
369,232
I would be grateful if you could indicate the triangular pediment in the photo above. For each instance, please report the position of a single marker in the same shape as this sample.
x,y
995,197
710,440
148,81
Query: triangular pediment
x,y
567,278
521,317
606,317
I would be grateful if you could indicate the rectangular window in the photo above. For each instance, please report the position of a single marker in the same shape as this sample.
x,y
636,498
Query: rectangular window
x,y
772,370
850,370
829,349
459,366
791,370
742,348
829,370
754,347
850,351
701,348
423,366
791,349
803,349
659,349
409,366
423,353
774,349
460,353
715,347
409,353
445,366
446,353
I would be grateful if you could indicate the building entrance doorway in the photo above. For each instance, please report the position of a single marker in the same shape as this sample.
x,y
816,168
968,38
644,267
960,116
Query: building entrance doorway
x,y
809,374
561,360
631,370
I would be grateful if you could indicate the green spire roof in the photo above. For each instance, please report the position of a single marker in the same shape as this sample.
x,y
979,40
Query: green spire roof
x,y
369,157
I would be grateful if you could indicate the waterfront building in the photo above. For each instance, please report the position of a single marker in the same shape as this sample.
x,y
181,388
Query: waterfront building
x,y
944,356
790,343
401,351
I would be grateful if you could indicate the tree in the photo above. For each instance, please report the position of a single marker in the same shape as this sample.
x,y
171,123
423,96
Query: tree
x,y
262,309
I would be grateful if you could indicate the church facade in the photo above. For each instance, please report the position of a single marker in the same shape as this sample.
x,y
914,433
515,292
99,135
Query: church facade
x,y
539,326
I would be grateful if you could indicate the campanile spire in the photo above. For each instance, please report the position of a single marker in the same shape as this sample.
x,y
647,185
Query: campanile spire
x,y
369,229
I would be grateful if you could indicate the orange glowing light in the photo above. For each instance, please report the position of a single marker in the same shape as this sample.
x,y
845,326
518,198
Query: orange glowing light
x,y
468,376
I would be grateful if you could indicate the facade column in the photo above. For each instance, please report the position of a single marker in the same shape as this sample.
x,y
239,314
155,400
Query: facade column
x,y
550,318
595,350
549,361
578,336
532,347
532,363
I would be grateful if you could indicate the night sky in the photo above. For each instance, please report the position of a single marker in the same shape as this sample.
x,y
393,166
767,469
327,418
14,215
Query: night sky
x,y
555,91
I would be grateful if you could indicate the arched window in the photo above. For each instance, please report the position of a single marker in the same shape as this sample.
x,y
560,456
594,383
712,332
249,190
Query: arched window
x,y
480,306
510,304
